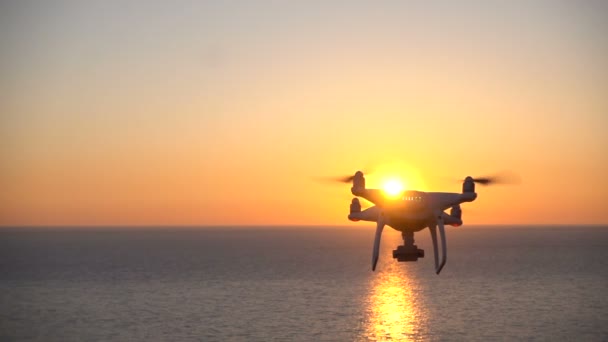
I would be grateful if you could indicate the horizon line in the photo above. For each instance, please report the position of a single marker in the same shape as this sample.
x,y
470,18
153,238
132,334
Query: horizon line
x,y
275,226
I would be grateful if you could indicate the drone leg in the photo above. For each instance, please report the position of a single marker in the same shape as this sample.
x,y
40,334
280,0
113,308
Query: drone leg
x,y
444,247
433,230
376,251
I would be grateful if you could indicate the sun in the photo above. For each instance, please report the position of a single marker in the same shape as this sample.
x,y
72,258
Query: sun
x,y
393,187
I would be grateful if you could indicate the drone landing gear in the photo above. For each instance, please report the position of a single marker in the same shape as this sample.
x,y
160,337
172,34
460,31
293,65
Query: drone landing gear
x,y
409,251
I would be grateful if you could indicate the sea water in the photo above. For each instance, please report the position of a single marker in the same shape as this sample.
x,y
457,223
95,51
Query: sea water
x,y
300,284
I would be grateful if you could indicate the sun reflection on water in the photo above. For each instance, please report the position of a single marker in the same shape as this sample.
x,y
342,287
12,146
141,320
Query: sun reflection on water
x,y
394,309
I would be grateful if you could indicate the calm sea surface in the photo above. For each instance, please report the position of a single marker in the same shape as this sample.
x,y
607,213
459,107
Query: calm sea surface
x,y
300,284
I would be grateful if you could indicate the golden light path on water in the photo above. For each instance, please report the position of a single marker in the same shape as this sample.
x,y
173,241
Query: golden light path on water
x,y
395,312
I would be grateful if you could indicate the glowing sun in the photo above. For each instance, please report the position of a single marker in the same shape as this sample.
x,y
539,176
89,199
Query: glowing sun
x,y
393,187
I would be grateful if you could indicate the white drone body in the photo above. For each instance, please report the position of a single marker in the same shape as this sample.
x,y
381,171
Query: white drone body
x,y
411,212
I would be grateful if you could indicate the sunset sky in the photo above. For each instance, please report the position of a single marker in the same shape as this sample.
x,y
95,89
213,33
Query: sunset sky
x,y
229,112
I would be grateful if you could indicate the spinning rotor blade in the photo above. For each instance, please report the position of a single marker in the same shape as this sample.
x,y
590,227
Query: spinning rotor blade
x,y
484,180
501,178
340,179
345,179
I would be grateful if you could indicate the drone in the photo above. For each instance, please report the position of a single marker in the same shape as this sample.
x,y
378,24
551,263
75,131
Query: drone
x,y
412,211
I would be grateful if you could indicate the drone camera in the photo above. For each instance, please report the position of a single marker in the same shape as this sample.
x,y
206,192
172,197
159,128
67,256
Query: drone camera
x,y
408,253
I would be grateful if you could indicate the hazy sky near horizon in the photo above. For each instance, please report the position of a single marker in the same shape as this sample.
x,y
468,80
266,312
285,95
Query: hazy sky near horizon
x,y
224,112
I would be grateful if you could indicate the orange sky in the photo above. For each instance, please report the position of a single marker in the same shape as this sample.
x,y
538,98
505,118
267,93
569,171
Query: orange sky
x,y
196,114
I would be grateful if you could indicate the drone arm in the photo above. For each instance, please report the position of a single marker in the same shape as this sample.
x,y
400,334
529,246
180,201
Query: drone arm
x,y
376,251
375,196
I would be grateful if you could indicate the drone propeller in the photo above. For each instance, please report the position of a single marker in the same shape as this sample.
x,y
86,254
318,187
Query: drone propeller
x,y
343,179
501,178
484,180
339,179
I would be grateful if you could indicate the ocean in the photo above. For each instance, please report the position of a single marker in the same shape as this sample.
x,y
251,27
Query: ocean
x,y
301,284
